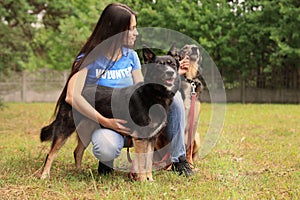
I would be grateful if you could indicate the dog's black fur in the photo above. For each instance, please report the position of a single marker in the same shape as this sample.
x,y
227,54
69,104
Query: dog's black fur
x,y
145,118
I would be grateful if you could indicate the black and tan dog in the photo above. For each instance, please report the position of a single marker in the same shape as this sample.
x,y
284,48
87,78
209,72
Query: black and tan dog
x,y
143,106
192,82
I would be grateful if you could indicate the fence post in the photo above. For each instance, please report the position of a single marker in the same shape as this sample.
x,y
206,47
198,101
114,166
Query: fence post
x,y
65,77
243,91
23,92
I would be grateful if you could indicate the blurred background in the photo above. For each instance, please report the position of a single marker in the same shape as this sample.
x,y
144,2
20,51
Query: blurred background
x,y
254,44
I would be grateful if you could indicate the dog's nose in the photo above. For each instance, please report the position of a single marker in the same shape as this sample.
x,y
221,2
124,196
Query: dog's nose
x,y
194,50
170,73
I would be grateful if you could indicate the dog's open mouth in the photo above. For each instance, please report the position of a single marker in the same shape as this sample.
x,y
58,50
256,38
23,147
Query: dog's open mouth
x,y
169,81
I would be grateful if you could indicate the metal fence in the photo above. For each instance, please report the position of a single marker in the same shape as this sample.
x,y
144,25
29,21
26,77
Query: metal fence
x,y
46,85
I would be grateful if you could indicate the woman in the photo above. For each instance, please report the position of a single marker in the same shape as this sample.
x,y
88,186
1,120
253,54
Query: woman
x,y
114,37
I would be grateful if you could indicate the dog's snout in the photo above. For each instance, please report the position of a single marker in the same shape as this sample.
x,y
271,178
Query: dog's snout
x,y
170,73
194,50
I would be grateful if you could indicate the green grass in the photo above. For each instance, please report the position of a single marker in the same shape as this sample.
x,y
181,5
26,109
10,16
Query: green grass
x,y
256,157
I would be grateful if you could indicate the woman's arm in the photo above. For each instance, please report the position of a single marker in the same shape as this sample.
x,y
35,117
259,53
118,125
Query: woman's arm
x,y
75,99
137,76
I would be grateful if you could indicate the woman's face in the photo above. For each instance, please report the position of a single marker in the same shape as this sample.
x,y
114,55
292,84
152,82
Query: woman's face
x,y
132,33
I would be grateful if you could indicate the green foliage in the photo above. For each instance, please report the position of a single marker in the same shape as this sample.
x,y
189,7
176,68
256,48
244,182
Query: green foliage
x,y
248,39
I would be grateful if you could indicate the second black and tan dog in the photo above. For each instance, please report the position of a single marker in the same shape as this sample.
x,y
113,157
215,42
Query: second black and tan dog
x,y
143,106
190,82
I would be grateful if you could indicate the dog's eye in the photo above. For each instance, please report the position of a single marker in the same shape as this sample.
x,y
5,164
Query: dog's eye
x,y
169,62
161,62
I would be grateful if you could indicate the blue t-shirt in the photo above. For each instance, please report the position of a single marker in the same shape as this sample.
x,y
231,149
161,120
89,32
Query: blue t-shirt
x,y
119,73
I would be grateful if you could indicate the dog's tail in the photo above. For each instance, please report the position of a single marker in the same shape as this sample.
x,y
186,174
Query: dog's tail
x,y
63,124
47,132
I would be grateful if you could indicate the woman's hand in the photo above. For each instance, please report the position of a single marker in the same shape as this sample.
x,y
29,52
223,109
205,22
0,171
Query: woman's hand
x,y
116,124
184,65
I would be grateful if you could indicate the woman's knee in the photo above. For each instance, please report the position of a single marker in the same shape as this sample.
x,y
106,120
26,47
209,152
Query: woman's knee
x,y
107,144
176,117
177,111
177,106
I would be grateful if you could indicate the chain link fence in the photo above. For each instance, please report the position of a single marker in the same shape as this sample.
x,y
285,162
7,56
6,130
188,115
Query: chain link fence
x,y
45,85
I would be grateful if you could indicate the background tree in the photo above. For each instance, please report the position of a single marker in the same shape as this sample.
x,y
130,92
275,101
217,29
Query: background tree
x,y
254,41
20,21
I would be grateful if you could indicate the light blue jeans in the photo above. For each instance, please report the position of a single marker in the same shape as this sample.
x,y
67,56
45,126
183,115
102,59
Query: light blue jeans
x,y
107,144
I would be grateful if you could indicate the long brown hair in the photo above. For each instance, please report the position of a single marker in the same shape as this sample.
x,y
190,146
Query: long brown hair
x,y
110,32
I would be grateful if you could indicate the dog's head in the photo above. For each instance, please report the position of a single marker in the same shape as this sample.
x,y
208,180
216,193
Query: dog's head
x,y
162,70
195,56
192,51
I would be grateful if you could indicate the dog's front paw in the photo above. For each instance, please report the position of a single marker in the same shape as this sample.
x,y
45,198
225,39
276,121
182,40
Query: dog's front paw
x,y
150,179
140,177
42,175
144,178
132,176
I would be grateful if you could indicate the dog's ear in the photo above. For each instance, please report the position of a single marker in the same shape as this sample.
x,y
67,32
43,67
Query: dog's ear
x,y
173,50
148,55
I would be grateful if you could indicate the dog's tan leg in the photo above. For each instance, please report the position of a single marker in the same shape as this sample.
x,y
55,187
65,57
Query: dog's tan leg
x,y
193,153
196,147
78,153
189,156
149,154
189,146
59,142
196,135
84,130
140,148
190,150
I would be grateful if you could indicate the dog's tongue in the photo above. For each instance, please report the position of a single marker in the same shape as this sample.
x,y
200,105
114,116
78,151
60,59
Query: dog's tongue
x,y
169,81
